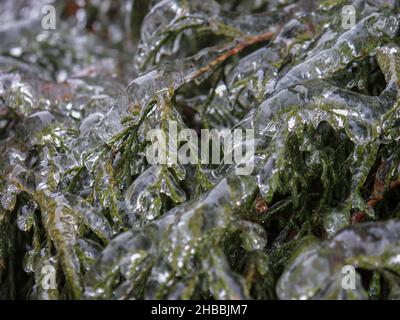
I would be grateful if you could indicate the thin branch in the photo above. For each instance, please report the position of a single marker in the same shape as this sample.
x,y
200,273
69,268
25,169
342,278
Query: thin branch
x,y
373,202
248,41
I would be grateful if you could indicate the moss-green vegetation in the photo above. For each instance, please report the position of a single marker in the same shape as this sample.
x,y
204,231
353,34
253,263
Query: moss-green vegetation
x,y
78,194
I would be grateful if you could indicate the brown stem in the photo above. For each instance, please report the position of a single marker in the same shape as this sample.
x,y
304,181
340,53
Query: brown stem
x,y
374,201
248,41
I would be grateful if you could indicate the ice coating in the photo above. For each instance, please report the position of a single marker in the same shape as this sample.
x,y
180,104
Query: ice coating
x,y
77,103
317,271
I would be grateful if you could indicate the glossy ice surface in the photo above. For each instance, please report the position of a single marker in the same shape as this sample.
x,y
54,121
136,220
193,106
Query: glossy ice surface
x,y
78,194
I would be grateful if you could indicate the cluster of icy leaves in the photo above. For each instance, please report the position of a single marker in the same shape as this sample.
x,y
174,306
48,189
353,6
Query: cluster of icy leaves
x,y
77,193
